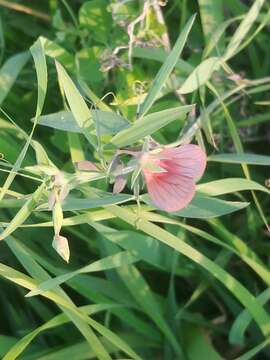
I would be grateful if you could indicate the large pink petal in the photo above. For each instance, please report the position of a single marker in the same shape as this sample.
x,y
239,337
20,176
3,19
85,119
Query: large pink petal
x,y
186,160
170,196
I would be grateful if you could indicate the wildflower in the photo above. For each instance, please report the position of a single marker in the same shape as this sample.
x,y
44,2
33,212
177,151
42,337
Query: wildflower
x,y
170,175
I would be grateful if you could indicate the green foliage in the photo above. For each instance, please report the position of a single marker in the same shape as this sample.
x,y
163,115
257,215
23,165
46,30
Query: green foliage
x,y
108,80
95,17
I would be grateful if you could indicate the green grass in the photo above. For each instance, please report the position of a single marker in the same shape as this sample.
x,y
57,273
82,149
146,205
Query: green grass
x,y
140,283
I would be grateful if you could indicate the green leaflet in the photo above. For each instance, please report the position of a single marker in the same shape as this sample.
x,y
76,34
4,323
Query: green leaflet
x,y
203,207
149,124
200,75
77,105
109,122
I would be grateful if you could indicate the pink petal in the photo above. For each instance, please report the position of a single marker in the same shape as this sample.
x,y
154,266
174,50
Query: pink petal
x,y
86,165
186,160
119,184
170,196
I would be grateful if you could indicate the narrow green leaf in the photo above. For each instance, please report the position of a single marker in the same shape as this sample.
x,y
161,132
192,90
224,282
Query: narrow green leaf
x,y
229,241
10,71
110,262
234,286
200,75
71,204
58,320
54,51
244,319
203,207
37,52
243,29
23,213
251,159
142,293
145,247
217,35
114,339
255,351
58,296
41,70
229,185
109,122
78,107
149,124
166,69
211,13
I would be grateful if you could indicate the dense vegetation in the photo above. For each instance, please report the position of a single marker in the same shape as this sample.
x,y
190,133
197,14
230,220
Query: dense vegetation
x,y
82,84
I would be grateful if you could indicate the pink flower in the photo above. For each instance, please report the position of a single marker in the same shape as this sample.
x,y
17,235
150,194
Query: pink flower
x,y
170,175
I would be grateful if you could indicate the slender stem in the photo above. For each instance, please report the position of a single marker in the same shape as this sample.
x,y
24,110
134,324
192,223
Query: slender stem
x,y
25,9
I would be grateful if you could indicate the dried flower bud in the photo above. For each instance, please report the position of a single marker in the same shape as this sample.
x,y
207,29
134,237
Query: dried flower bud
x,y
60,244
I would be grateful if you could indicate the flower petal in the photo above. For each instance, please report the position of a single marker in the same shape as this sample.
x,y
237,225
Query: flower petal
x,y
170,196
86,165
186,160
119,184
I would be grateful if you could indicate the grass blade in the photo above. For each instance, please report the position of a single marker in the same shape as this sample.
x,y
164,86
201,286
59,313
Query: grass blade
x,y
10,71
228,186
200,75
110,262
77,105
243,29
250,159
41,70
166,69
234,286
23,213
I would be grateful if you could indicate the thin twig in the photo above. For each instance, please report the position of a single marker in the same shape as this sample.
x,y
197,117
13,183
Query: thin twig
x,y
25,9
130,31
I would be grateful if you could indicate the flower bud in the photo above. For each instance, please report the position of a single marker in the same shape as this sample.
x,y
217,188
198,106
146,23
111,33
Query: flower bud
x,y
60,244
